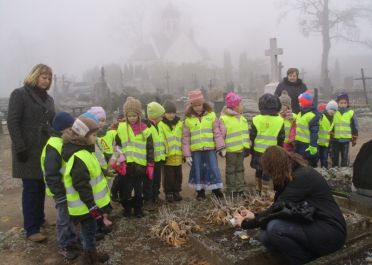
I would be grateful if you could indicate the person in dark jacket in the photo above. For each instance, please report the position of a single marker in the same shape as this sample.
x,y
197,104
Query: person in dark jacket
x,y
53,167
87,193
300,240
271,126
30,113
294,87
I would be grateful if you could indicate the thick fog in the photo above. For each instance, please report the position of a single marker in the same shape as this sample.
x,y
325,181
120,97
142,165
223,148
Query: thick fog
x,y
74,35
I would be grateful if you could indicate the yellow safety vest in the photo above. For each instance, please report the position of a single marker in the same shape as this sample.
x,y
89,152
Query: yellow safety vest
x,y
56,143
237,133
173,138
342,123
325,127
133,146
302,126
97,181
287,127
159,146
201,131
107,142
268,128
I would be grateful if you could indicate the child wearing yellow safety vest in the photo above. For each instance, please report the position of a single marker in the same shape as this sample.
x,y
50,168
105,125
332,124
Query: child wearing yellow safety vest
x,y
200,141
267,130
307,128
53,168
289,121
235,130
136,142
325,128
345,130
171,130
87,193
151,186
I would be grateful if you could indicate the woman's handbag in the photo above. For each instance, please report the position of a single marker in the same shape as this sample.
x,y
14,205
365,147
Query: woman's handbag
x,y
302,212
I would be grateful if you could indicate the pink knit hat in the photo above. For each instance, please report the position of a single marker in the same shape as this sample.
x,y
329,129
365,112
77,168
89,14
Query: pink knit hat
x,y
195,97
98,111
232,100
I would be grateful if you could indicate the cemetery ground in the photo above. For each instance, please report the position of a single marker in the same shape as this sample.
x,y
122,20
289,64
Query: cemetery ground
x,y
130,241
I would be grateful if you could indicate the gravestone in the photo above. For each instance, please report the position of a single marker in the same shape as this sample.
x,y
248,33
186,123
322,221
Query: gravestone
x,y
273,52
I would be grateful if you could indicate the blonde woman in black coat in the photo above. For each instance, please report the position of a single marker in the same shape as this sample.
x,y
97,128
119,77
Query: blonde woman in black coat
x,y
30,113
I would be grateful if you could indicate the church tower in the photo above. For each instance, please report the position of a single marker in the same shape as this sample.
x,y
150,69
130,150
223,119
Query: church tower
x,y
171,20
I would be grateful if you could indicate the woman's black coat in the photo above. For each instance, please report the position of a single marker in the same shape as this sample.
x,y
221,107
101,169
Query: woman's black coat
x,y
29,119
328,232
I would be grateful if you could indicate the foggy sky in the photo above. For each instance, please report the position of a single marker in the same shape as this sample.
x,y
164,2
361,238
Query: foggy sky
x,y
74,35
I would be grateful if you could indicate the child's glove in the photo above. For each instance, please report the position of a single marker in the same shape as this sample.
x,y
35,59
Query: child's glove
x,y
122,168
189,160
150,171
96,213
312,150
222,152
354,140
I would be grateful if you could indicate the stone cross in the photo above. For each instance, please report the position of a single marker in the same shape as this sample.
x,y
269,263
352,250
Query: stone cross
x,y
273,52
280,68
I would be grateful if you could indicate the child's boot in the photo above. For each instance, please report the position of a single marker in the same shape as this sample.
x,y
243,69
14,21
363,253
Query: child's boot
x,y
258,185
177,196
138,208
201,195
218,193
169,197
127,205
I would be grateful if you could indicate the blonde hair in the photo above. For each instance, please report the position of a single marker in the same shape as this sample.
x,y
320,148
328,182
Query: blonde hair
x,y
38,70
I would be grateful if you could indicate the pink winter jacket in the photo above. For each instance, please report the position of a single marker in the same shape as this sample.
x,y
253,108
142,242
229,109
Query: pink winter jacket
x,y
186,138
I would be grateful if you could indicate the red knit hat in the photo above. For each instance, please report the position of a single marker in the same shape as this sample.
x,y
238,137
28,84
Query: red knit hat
x,y
306,99
195,97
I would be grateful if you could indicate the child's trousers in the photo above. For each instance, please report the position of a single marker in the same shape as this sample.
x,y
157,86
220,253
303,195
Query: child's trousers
x,y
66,235
172,178
235,172
340,149
323,156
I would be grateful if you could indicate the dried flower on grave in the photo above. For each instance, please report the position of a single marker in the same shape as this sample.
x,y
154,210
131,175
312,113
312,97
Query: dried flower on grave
x,y
174,227
224,209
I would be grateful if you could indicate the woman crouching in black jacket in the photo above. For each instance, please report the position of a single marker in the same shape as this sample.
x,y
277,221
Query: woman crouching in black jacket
x,y
304,221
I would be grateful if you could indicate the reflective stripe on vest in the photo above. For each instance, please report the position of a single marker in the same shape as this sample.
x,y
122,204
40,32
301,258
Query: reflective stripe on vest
x,y
237,133
325,127
302,126
201,131
268,128
173,138
159,147
56,143
133,146
107,142
100,190
342,124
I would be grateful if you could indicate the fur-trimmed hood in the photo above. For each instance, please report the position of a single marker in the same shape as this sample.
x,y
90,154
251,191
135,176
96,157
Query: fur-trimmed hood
x,y
190,112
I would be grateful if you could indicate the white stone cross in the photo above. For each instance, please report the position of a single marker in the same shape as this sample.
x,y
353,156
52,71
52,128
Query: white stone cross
x,y
273,52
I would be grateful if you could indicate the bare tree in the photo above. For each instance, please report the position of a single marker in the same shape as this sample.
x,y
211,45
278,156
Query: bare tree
x,y
319,16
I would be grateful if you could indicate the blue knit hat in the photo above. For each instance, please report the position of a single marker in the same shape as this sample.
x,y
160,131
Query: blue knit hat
x,y
91,116
62,120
